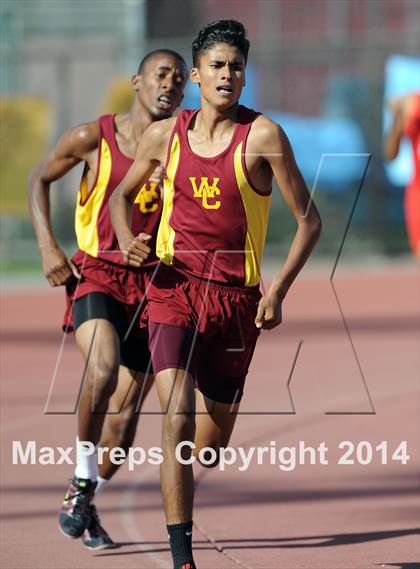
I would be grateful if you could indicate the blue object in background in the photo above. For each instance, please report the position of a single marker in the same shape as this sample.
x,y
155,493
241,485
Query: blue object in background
x,y
402,76
330,152
191,98
346,96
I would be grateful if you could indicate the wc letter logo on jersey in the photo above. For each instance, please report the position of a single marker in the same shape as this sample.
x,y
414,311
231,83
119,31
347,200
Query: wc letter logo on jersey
x,y
147,198
206,192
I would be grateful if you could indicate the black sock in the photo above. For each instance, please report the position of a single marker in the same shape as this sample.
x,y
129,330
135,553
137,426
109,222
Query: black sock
x,y
180,540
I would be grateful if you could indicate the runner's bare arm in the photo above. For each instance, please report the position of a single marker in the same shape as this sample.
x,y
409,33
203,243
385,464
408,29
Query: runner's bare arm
x,y
150,152
72,148
277,151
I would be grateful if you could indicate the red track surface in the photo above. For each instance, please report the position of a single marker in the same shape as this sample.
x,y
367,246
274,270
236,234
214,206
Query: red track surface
x,y
315,517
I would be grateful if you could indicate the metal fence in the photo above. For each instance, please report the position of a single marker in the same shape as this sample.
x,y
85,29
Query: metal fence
x,y
309,58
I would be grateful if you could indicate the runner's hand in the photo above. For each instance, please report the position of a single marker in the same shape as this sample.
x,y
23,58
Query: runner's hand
x,y
269,314
158,175
137,251
57,269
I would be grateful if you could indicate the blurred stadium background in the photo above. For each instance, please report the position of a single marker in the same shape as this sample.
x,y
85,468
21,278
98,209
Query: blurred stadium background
x,y
321,68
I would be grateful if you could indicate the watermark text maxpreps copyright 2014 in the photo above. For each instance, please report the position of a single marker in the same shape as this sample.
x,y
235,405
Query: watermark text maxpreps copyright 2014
x,y
286,458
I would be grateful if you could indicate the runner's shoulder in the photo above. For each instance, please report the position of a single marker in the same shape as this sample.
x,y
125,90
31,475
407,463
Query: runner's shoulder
x,y
160,128
156,136
87,134
266,133
81,139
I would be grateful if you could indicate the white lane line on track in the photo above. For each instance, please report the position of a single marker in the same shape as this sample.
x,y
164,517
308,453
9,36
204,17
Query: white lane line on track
x,y
219,548
255,439
129,521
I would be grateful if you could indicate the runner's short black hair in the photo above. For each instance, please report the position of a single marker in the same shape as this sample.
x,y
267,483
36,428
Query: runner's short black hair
x,y
165,51
231,32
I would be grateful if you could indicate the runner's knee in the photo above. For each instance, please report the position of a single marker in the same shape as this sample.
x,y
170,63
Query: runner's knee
x,y
102,379
199,453
121,428
179,426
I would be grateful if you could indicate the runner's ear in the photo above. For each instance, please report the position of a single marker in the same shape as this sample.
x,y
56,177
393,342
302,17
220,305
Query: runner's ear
x,y
135,82
195,75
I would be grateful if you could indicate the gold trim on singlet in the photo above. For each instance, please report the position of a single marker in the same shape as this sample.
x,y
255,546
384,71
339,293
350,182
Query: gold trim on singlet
x,y
257,209
88,206
166,234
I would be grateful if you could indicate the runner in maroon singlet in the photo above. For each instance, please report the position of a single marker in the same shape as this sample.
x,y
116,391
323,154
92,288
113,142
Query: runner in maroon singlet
x,y
102,303
205,309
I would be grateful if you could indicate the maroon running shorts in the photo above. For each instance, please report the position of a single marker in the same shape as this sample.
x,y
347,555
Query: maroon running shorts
x,y
205,328
126,285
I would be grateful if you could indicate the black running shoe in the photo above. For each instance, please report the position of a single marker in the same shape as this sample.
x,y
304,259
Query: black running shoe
x,y
95,537
75,516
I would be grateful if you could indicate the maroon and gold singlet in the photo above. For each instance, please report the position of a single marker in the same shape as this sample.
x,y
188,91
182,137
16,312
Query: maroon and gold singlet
x,y
214,221
94,231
